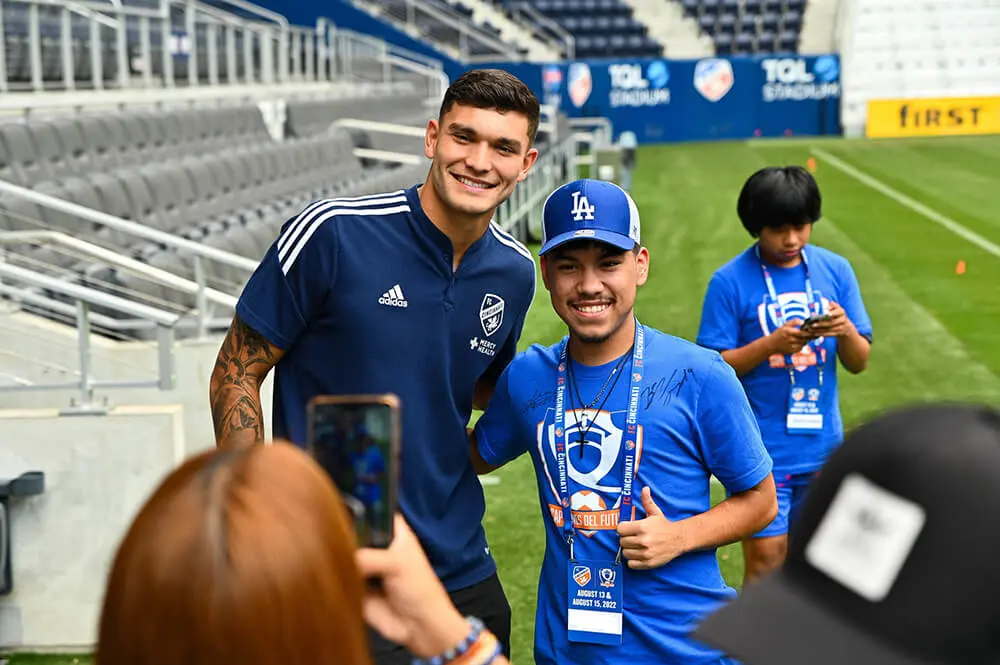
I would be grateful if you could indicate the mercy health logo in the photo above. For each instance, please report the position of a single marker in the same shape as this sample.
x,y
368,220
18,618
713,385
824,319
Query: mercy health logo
x,y
483,346
634,88
790,79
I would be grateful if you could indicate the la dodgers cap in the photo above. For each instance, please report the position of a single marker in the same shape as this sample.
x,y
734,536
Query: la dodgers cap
x,y
589,210
893,559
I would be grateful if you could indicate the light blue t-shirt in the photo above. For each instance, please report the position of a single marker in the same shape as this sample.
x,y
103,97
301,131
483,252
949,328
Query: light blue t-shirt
x,y
738,310
694,421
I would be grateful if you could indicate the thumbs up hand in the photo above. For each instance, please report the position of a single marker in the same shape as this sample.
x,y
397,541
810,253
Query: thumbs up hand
x,y
651,542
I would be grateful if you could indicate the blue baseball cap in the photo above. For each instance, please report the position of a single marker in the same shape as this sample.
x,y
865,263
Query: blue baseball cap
x,y
590,210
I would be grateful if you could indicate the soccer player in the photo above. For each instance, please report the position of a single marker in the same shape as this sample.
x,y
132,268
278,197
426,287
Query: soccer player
x,y
781,313
625,426
413,292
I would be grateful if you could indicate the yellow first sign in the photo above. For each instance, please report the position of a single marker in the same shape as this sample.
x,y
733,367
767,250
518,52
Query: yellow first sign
x,y
957,116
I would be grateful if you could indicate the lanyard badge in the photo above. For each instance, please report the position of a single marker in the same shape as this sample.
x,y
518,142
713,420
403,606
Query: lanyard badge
x,y
594,614
805,412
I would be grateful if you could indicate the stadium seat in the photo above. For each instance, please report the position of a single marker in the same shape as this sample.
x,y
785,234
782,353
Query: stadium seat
x,y
211,175
743,43
603,28
767,23
723,43
788,40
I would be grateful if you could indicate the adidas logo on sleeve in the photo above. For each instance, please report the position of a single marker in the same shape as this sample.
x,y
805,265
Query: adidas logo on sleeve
x,y
394,298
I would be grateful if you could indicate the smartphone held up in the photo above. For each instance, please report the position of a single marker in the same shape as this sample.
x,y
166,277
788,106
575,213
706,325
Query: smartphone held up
x,y
356,440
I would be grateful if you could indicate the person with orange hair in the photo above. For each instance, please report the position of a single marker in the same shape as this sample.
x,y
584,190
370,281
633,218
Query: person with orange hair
x,y
248,557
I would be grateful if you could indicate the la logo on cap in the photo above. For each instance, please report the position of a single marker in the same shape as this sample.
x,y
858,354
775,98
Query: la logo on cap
x,y
581,207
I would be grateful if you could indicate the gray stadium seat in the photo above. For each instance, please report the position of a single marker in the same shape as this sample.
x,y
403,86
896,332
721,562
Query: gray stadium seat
x,y
7,171
98,142
138,136
20,214
119,143
72,143
22,155
173,194
76,190
172,147
264,233
143,206
49,151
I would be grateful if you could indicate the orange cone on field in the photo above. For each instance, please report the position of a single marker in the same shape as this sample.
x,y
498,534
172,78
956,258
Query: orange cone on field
x,y
811,165
960,267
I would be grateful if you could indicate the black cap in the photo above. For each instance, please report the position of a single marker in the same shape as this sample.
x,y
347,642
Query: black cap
x,y
893,558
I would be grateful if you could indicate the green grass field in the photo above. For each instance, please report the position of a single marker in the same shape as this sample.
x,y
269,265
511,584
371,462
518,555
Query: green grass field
x,y
936,332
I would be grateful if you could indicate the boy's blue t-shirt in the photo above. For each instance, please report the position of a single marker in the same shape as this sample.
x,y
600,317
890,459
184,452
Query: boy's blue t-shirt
x,y
694,421
738,310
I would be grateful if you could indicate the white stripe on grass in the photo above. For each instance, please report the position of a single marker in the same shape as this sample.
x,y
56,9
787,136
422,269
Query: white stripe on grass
x,y
904,200
918,333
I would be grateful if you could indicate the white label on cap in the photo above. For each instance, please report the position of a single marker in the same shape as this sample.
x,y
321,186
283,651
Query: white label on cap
x,y
865,537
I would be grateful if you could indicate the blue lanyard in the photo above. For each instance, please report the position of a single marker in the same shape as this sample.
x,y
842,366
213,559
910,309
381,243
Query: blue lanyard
x,y
631,434
779,315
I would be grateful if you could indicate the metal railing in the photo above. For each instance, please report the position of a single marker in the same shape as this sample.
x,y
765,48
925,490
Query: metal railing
x,y
202,256
83,298
528,17
396,129
589,135
184,44
419,18
204,295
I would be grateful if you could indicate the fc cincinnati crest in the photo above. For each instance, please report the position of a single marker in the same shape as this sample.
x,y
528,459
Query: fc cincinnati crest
x,y
713,78
491,313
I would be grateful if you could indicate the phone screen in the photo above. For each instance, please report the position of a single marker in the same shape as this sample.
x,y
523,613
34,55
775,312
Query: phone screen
x,y
355,443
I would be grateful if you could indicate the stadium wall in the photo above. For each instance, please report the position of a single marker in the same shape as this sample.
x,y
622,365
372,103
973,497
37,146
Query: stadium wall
x,y
98,472
665,101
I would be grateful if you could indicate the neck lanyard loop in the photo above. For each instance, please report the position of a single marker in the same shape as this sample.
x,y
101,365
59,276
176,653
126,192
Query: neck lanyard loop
x,y
631,435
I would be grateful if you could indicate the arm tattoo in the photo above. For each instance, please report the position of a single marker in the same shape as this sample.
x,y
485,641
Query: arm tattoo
x,y
243,361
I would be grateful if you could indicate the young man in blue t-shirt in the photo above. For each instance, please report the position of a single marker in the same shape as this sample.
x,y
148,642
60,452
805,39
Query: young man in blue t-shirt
x,y
417,293
757,313
625,426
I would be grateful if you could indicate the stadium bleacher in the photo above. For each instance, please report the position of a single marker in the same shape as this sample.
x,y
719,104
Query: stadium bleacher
x,y
211,175
749,26
601,28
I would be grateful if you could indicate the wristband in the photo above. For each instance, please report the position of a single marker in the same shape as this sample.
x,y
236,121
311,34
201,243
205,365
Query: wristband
x,y
479,647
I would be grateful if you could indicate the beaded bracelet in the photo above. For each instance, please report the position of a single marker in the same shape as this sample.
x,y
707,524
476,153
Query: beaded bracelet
x,y
479,647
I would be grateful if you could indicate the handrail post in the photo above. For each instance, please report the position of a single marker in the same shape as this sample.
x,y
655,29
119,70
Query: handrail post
x,y
166,35
4,85
165,357
191,28
201,302
86,404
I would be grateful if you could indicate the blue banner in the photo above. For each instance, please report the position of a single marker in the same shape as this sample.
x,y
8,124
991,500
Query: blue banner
x,y
696,100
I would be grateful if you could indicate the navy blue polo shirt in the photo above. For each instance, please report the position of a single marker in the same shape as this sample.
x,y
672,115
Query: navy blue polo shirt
x,y
361,295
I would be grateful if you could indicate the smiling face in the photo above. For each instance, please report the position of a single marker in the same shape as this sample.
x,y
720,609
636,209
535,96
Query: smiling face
x,y
478,155
593,287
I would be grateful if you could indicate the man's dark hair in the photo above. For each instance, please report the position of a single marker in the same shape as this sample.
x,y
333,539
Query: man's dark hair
x,y
493,89
777,196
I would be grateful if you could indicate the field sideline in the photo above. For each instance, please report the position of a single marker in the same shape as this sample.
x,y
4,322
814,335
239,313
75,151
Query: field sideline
x,y
904,212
